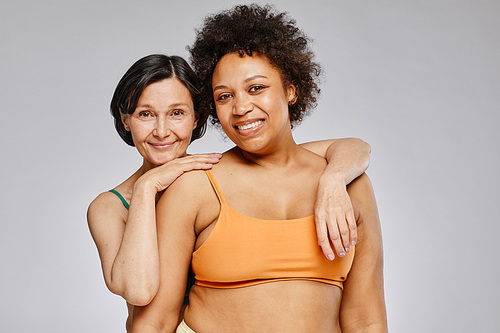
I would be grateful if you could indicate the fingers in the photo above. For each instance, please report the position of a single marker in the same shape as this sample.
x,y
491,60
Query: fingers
x,y
194,162
323,240
205,161
209,155
167,173
335,228
202,158
353,229
339,232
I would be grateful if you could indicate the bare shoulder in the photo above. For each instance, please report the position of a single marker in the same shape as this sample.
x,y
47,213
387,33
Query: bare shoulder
x,y
106,207
311,161
191,189
190,200
193,185
359,186
312,154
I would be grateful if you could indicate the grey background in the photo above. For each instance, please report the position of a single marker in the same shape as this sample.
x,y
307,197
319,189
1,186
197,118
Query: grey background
x,y
418,80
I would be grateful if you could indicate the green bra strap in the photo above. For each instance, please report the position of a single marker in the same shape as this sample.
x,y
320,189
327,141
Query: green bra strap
x,y
125,203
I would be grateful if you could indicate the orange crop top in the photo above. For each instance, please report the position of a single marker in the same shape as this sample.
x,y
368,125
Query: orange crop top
x,y
243,251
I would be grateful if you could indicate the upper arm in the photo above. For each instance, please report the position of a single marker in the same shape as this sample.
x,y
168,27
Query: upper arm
x,y
107,225
363,305
318,147
176,214
321,147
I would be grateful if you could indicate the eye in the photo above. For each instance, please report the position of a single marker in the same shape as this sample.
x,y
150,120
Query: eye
x,y
177,113
145,114
256,88
222,97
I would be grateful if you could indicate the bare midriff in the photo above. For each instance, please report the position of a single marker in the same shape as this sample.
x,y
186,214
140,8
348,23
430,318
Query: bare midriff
x,y
281,306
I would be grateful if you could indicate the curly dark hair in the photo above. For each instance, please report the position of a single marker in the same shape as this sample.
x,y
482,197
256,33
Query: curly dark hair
x,y
145,71
253,28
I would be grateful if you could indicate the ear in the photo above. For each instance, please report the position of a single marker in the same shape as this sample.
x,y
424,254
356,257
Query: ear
x,y
291,94
195,123
125,122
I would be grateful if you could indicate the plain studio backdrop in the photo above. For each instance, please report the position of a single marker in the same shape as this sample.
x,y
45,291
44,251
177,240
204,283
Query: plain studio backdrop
x,y
418,80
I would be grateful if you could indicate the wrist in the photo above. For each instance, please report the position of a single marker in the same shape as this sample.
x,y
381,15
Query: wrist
x,y
334,176
145,186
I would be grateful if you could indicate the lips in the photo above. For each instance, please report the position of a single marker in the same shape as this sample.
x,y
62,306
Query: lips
x,y
162,145
249,125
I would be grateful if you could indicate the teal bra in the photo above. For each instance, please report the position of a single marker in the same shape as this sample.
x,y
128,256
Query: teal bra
x,y
190,281
124,202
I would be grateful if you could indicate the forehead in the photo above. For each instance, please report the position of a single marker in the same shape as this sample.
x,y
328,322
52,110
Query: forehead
x,y
167,91
236,67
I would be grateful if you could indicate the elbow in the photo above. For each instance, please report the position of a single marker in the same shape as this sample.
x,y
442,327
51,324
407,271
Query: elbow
x,y
139,298
365,144
139,295
366,151
137,286
135,294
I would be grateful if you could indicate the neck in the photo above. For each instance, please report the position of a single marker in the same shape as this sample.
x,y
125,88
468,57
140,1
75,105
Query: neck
x,y
146,166
279,155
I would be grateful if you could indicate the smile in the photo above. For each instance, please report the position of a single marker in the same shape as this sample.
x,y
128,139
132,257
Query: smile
x,y
162,145
252,125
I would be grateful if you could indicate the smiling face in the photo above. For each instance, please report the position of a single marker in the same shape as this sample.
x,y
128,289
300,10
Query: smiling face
x,y
162,122
251,102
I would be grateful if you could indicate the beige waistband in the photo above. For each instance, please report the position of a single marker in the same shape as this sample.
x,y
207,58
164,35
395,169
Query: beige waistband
x,y
184,328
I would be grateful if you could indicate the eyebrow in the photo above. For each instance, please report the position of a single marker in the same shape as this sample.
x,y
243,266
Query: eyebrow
x,y
178,104
251,78
149,106
255,77
146,106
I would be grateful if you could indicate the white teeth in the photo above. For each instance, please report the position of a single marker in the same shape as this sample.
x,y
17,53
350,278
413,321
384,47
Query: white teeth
x,y
244,127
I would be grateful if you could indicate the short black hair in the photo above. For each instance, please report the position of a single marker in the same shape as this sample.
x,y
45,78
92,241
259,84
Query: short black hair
x,y
259,29
145,71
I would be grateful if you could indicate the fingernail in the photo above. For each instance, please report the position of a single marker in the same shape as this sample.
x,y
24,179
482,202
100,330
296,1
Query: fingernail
x,y
342,254
347,249
330,257
353,243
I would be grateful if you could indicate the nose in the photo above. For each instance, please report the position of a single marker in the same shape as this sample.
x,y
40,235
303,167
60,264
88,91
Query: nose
x,y
162,127
242,104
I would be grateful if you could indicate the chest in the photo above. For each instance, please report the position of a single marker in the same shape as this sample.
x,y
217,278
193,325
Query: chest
x,y
278,196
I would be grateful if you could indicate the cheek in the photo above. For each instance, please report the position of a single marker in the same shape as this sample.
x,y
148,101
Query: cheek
x,y
185,129
224,122
140,130
223,113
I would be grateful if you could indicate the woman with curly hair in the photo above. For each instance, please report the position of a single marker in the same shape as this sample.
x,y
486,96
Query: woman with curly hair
x,y
155,108
247,227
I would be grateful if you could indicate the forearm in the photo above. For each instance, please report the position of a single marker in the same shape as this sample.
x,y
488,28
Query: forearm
x,y
135,270
376,327
144,327
176,240
156,317
347,158
335,225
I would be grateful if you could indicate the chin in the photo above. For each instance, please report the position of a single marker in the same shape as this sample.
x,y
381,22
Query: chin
x,y
252,147
161,161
